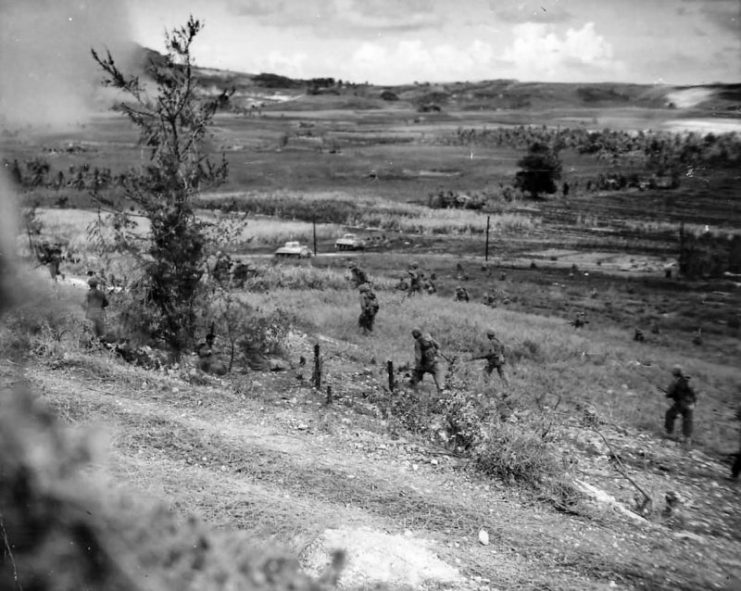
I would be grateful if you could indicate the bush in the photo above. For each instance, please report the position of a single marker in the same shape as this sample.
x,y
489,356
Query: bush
x,y
264,336
513,452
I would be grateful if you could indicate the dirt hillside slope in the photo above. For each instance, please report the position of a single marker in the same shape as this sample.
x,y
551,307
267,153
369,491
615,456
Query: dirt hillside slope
x,y
269,457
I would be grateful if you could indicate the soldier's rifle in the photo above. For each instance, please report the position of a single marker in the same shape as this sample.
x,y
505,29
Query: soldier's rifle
x,y
475,358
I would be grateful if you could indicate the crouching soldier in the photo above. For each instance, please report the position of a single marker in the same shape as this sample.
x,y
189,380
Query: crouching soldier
x,y
368,308
426,359
207,359
684,398
461,294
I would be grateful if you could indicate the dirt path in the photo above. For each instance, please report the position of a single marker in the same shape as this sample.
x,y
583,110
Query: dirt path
x,y
286,468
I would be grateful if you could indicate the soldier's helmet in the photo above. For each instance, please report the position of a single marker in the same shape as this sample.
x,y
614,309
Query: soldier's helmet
x,y
677,371
491,333
416,333
364,287
92,282
413,265
352,265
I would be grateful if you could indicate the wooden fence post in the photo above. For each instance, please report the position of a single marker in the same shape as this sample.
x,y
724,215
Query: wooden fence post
x,y
316,376
486,248
390,370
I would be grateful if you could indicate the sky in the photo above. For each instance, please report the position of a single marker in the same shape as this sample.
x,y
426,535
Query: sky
x,y
47,73
402,41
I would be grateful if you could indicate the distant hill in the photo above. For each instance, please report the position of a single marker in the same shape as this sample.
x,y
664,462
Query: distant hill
x,y
267,89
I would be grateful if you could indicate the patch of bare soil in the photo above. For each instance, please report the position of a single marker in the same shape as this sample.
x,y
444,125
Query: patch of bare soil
x,y
374,558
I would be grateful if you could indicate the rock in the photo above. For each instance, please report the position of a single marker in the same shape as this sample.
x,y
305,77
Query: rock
x,y
275,364
604,499
483,537
686,535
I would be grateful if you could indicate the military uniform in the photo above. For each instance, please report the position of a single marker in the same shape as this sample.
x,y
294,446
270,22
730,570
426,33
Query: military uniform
x,y
426,359
580,321
368,308
51,255
494,356
684,398
358,276
207,359
461,294
205,352
415,280
95,304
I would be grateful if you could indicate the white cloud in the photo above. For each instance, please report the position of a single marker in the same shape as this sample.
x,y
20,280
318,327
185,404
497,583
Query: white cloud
x,y
410,60
286,64
538,53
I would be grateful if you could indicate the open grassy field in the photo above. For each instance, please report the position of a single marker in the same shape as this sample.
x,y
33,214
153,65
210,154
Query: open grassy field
x,y
266,454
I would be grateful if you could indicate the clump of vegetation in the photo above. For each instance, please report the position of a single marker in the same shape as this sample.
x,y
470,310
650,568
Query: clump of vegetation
x,y
540,169
174,127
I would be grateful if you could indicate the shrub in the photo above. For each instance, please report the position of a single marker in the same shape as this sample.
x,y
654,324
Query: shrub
x,y
174,128
264,336
513,452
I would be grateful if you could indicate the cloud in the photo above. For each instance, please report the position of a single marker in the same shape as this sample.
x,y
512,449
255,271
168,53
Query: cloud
x,y
410,60
538,53
534,12
258,8
342,18
391,15
725,16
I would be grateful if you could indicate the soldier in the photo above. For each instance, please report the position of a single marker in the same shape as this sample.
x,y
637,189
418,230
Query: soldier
x,y
489,300
580,321
426,359
205,352
55,260
461,294
638,336
415,280
358,276
430,286
207,361
368,308
51,256
494,355
95,304
222,267
684,398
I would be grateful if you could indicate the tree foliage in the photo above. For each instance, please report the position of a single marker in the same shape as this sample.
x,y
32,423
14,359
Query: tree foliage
x,y
173,126
539,170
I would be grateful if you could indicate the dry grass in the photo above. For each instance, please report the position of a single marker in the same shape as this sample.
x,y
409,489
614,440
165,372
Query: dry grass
x,y
374,212
548,357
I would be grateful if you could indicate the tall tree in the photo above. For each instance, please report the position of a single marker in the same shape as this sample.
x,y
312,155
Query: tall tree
x,y
539,170
173,125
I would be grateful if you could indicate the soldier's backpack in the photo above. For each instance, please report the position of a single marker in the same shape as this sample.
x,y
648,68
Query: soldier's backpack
x,y
373,304
685,394
429,350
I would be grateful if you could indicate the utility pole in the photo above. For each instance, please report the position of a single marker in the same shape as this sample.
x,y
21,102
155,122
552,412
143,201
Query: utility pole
x,y
313,221
486,248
